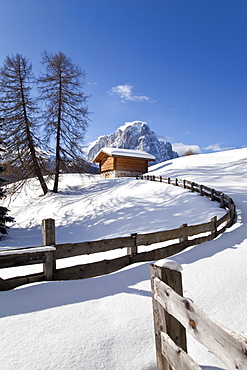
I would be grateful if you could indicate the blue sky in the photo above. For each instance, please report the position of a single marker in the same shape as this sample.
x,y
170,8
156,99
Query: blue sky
x,y
179,65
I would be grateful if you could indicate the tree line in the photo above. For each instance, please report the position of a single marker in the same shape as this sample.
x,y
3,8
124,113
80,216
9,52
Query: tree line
x,y
39,115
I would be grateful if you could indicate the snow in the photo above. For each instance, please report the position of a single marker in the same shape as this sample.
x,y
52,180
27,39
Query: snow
x,y
127,124
169,264
106,322
126,153
26,250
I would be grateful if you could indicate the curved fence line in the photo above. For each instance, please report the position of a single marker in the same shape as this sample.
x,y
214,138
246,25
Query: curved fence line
x,y
181,238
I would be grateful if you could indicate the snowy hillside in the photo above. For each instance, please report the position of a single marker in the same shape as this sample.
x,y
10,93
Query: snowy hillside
x,y
134,135
106,322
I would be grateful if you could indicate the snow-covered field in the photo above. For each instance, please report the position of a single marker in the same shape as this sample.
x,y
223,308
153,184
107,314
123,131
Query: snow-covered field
x,y
106,322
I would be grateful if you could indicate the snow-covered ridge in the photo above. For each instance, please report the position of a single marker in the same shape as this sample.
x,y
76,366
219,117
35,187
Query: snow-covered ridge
x,y
135,135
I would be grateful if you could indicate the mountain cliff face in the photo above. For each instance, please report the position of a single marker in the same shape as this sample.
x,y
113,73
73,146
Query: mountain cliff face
x,y
134,135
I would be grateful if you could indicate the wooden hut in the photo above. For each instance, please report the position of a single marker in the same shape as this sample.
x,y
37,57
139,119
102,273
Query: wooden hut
x,y
116,162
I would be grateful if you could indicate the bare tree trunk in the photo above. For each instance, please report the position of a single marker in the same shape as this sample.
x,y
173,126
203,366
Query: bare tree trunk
x,y
36,166
57,168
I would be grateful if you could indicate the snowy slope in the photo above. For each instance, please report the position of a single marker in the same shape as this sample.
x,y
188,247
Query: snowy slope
x,y
106,322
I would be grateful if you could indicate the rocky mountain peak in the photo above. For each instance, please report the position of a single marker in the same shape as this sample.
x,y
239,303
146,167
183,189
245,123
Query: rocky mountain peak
x,y
135,135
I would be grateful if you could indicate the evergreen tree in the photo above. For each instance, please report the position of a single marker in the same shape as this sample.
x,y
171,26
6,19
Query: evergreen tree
x,y
66,114
19,109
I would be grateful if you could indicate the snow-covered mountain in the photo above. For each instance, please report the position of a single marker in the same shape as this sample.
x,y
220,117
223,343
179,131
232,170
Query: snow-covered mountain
x,y
134,135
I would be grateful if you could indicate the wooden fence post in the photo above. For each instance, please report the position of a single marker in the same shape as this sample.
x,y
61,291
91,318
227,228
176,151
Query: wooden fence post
x,y
163,322
201,190
212,194
214,222
133,249
185,238
48,232
48,239
232,209
222,200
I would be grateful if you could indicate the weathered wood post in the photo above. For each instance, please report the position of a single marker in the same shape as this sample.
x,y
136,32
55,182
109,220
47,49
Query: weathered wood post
x,y
185,237
48,232
214,226
201,190
48,239
212,194
163,322
222,200
232,209
133,249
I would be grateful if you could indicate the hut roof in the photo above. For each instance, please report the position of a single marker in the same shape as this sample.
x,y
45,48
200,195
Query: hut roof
x,y
118,152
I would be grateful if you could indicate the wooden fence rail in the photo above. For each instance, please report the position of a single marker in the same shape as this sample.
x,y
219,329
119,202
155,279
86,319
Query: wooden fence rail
x,y
173,314
181,238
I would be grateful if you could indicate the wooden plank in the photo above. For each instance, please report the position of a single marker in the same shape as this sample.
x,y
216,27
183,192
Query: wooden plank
x,y
176,356
192,230
130,164
163,321
23,280
169,250
21,259
225,218
228,200
162,252
24,256
180,233
15,252
188,182
107,164
181,183
92,269
97,246
229,347
207,189
5,285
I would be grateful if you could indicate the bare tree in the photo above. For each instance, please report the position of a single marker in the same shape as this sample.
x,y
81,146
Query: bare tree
x,y
4,218
66,114
19,110
188,152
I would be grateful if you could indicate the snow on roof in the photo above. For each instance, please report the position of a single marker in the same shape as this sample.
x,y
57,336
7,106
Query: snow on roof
x,y
118,152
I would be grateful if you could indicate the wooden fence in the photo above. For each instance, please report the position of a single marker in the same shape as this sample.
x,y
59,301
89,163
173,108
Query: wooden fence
x,y
180,238
174,314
